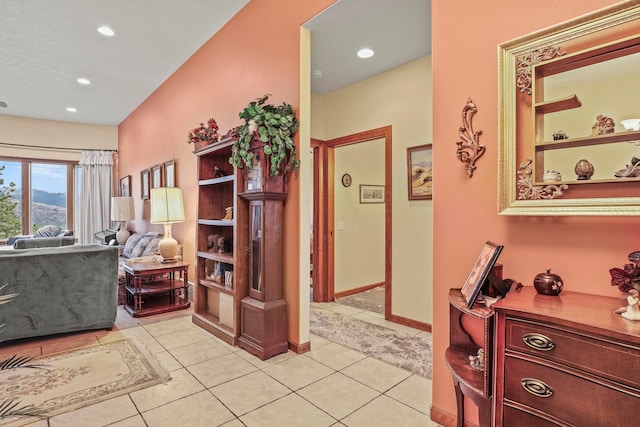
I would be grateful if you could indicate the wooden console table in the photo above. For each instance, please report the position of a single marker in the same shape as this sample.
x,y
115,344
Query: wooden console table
x,y
565,360
153,288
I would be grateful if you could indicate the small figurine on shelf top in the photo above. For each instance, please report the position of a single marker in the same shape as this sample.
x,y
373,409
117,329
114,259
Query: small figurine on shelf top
x,y
559,135
603,125
627,279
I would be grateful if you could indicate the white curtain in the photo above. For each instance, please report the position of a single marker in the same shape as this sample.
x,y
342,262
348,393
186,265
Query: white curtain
x,y
95,197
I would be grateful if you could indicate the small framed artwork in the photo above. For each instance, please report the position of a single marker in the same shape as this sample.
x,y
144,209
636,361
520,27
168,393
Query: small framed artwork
x,y
169,173
480,271
125,186
156,176
419,172
371,193
144,184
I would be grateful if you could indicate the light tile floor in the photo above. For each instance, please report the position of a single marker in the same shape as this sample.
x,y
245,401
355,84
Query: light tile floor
x,y
214,384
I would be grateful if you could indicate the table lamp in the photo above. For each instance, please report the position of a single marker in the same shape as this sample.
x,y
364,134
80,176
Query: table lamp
x,y
167,208
122,210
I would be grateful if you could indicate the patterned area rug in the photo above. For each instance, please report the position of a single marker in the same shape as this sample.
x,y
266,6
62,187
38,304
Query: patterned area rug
x,y
78,378
370,300
406,351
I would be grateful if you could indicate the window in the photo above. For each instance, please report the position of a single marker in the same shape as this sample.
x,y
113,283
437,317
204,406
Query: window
x,y
44,190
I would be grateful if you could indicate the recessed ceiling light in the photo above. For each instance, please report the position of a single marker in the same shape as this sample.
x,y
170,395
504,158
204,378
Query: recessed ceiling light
x,y
365,53
83,81
72,109
106,31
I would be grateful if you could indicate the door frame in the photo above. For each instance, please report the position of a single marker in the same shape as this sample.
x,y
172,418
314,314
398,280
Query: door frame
x,y
323,213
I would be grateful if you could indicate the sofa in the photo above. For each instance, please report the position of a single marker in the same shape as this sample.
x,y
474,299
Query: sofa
x,y
57,290
47,232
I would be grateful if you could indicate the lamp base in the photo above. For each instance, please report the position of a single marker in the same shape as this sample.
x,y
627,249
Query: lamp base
x,y
168,246
122,236
168,260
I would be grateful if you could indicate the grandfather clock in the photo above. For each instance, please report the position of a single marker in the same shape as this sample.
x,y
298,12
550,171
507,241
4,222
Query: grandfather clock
x,y
263,325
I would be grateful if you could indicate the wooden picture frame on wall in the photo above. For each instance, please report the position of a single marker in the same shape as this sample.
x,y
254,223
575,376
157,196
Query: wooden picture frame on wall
x,y
144,184
156,176
169,172
420,172
371,193
125,186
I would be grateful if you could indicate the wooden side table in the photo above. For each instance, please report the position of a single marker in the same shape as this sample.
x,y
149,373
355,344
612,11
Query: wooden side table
x,y
153,287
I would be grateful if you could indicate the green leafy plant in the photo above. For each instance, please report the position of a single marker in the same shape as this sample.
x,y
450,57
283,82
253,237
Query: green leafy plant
x,y
274,126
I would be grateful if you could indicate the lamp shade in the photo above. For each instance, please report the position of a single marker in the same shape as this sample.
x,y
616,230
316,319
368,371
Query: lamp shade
x,y
122,209
166,205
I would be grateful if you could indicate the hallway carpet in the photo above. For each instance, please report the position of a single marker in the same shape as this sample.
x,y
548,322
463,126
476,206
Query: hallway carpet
x,y
370,300
409,351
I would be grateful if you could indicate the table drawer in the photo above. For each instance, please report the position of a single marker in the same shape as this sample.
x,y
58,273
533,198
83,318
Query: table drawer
x,y
584,400
580,351
516,417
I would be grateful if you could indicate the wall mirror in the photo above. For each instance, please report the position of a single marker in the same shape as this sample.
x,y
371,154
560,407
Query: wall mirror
x,y
568,96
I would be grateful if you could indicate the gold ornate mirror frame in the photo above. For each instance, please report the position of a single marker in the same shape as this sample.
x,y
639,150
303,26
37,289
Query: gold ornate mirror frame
x,y
521,191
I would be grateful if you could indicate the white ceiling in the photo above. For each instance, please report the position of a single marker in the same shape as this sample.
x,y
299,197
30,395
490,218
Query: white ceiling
x,y
46,45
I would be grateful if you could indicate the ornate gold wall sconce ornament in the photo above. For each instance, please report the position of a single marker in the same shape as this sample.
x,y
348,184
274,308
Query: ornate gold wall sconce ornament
x,y
469,149
525,63
526,189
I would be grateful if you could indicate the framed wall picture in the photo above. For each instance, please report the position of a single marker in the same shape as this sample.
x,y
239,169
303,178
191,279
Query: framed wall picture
x,y
169,173
371,193
419,172
480,271
144,184
156,176
125,186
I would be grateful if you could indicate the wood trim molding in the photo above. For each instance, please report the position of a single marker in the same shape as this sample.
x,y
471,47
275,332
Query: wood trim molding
x,y
446,419
357,290
410,322
300,348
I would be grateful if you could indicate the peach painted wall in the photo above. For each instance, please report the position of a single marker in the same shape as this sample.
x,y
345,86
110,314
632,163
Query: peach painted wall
x,y
581,250
256,53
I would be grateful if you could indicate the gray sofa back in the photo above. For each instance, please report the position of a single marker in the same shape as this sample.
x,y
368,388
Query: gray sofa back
x,y
64,289
43,242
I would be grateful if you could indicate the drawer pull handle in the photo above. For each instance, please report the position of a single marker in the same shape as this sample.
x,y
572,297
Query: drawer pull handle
x,y
536,387
538,342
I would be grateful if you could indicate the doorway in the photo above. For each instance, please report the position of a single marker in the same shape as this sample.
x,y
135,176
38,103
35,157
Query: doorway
x,y
323,240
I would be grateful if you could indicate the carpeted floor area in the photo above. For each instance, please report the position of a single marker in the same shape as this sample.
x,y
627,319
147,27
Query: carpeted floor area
x,y
370,300
409,351
74,379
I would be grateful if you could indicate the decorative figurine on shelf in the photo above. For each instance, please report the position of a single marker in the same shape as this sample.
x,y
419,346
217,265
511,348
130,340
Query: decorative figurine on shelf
x,y
218,173
217,243
632,310
548,283
630,171
584,169
228,213
552,176
627,279
477,361
603,125
559,135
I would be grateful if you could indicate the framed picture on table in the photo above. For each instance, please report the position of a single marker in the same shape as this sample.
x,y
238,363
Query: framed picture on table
x,y
480,271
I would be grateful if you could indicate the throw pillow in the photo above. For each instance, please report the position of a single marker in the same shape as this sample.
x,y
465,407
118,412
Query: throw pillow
x,y
152,248
47,231
131,243
140,247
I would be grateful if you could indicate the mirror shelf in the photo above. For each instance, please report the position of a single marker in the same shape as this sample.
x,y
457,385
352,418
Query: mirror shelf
x,y
569,90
